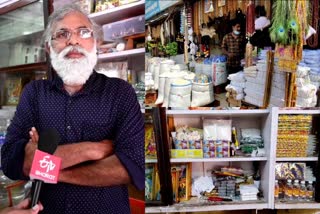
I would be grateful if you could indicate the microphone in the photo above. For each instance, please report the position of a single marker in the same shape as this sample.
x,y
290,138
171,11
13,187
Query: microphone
x,y
45,167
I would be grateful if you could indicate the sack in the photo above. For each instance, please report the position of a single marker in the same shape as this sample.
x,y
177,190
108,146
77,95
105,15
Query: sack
x,y
172,76
180,93
202,94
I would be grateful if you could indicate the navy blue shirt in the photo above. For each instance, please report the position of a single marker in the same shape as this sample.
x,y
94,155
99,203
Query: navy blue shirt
x,y
106,108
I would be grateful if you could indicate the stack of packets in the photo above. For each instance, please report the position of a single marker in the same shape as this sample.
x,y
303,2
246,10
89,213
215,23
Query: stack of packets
x,y
293,135
187,142
217,138
251,143
181,182
248,192
255,81
236,86
278,87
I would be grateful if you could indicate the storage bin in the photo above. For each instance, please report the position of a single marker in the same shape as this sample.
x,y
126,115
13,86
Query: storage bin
x,y
124,28
137,206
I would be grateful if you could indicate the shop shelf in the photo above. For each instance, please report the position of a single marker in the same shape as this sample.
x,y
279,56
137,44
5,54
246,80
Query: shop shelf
x,y
231,159
295,205
194,205
294,111
233,113
119,13
133,52
295,159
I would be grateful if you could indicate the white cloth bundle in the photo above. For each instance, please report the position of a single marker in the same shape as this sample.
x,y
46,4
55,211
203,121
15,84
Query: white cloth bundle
x,y
232,88
306,91
238,77
202,94
304,102
238,84
302,71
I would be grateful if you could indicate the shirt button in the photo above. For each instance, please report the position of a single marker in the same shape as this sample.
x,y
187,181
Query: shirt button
x,y
68,127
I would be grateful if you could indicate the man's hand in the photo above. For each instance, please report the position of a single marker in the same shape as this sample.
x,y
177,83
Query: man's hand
x,y
22,208
102,150
29,150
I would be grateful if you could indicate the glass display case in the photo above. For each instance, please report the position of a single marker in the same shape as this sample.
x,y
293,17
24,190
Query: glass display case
x,y
22,56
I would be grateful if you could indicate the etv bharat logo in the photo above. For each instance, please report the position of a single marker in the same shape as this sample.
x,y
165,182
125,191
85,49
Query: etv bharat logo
x,y
44,163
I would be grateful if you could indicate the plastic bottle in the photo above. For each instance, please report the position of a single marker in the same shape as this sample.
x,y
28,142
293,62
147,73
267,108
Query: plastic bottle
x,y
235,137
310,191
303,191
288,190
296,190
276,190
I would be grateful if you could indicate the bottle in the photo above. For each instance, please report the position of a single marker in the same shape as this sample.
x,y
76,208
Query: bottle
x,y
276,190
310,191
303,191
129,76
295,190
288,190
234,137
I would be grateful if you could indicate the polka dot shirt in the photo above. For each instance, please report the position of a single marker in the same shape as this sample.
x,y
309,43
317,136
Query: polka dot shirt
x,y
106,108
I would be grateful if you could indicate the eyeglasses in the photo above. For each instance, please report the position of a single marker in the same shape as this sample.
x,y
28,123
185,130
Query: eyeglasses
x,y
63,35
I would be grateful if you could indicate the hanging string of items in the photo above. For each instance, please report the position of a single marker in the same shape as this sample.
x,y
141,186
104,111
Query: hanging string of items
x,y
288,32
250,30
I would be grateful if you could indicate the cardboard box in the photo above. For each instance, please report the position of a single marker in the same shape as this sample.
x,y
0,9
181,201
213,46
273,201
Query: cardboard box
x,y
186,153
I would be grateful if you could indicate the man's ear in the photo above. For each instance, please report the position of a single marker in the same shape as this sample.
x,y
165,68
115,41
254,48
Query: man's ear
x,y
47,48
99,43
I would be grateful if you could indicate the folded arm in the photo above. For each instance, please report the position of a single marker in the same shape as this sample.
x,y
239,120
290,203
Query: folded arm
x,y
71,154
106,172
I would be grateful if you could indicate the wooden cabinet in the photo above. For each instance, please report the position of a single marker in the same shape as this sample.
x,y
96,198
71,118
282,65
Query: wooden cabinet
x,y
22,56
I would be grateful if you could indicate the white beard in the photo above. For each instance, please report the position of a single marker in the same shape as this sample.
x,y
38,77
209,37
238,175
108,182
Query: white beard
x,y
74,71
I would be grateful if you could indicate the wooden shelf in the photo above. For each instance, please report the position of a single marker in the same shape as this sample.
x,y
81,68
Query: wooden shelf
x,y
232,159
299,205
195,205
233,113
133,52
41,66
297,159
119,13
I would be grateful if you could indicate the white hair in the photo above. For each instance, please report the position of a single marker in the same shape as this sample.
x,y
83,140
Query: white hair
x,y
59,14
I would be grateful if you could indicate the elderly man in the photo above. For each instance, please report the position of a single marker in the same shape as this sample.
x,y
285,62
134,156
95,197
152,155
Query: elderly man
x,y
98,118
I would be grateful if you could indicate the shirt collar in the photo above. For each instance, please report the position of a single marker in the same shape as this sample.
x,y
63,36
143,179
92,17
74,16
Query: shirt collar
x,y
87,88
